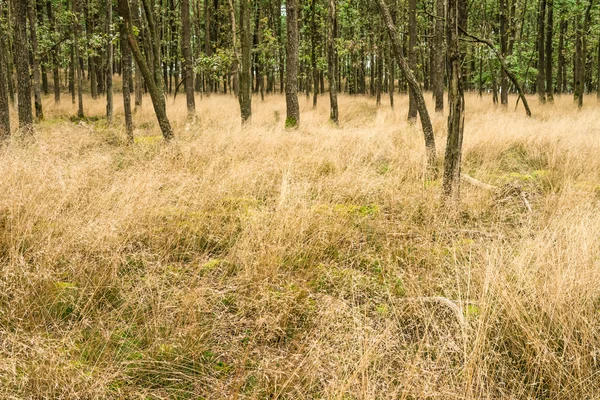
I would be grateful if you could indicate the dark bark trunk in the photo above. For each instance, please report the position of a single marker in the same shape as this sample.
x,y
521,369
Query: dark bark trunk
x,y
126,67
331,62
4,104
438,56
541,64
503,51
245,96
414,86
109,66
39,113
156,93
291,87
548,55
78,69
412,55
187,57
22,66
456,105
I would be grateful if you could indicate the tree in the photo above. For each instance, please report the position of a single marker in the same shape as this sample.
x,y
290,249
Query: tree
x,y
245,95
22,65
126,67
541,48
548,55
109,65
414,86
156,91
188,64
291,86
76,64
456,104
39,113
332,62
438,56
4,104
412,55
503,51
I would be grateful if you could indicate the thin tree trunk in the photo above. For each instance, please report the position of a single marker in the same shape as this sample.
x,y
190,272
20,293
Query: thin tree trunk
x,y
504,52
139,82
414,86
126,67
541,76
22,66
157,95
438,56
79,72
109,66
39,113
560,81
331,62
245,96
4,103
313,51
412,55
549,59
187,57
291,87
456,104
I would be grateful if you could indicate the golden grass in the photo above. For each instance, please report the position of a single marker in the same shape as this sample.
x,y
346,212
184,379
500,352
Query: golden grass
x,y
255,262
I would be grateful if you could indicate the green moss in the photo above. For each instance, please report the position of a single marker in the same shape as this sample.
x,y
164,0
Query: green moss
x,y
291,123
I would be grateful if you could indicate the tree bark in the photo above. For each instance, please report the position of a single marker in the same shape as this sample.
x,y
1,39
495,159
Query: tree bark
x,y
22,66
109,66
549,58
503,51
157,95
126,67
77,64
4,103
245,95
456,104
541,76
414,86
187,57
139,82
39,113
412,56
438,56
291,87
331,62
561,84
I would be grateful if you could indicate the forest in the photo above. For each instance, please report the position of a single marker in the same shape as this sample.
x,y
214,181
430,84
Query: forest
x,y
299,199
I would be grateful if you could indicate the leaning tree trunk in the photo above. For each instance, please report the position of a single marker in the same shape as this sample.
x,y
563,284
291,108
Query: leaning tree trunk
x,y
414,86
456,104
126,67
245,95
158,97
331,62
39,113
22,66
187,57
291,86
438,57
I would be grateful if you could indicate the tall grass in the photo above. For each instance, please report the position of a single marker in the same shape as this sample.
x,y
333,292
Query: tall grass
x,y
255,262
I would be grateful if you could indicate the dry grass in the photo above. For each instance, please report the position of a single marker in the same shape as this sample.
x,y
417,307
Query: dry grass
x,y
261,263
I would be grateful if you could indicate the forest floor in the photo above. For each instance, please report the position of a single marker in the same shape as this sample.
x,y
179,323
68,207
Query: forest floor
x,y
260,263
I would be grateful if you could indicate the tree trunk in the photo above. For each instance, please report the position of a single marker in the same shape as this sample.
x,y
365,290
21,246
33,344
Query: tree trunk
x,y
438,56
541,76
245,96
414,86
109,66
412,55
39,113
331,62
126,67
187,57
379,82
79,72
291,87
549,37
4,104
456,104
156,93
139,82
22,66
561,85
55,52
313,52
503,51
